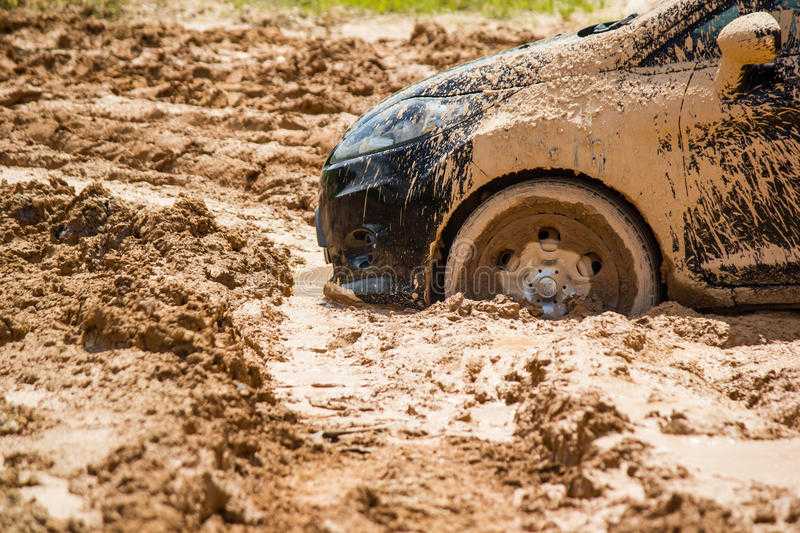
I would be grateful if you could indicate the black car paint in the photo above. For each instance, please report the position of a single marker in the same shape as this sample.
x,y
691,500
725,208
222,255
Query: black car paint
x,y
369,194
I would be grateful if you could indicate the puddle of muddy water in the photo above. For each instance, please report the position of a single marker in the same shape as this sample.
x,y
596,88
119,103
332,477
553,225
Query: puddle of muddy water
x,y
771,462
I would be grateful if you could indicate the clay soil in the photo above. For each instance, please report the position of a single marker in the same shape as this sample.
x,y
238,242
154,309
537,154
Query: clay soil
x,y
168,360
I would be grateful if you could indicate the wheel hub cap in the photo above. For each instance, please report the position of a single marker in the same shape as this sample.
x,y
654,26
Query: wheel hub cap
x,y
546,287
547,271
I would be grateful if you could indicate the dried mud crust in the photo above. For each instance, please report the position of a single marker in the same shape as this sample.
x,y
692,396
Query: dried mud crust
x,y
255,108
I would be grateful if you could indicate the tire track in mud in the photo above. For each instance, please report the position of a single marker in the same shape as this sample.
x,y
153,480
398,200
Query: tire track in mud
x,y
429,465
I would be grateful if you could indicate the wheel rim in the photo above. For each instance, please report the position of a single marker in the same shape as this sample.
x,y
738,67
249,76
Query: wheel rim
x,y
544,260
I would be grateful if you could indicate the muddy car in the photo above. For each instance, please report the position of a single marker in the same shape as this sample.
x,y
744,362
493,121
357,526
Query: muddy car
x,y
653,157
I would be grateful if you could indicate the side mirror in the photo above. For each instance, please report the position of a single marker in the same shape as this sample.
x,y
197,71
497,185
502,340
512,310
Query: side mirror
x,y
753,39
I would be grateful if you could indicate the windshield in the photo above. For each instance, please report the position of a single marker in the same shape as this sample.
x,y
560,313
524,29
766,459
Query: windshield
x,y
604,27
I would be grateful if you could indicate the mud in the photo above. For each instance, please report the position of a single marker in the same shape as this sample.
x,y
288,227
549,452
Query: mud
x,y
589,423
123,319
169,359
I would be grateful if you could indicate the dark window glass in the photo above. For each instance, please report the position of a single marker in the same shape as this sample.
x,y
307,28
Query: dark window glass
x,y
699,43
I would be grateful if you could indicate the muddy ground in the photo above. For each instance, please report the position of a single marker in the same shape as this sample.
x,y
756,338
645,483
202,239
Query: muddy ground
x,y
168,361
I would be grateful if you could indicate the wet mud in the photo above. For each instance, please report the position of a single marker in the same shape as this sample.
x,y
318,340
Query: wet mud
x,y
169,359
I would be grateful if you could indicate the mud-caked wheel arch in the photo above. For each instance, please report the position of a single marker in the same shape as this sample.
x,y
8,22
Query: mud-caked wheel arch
x,y
551,241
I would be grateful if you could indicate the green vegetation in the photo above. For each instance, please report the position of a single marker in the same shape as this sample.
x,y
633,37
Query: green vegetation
x,y
105,8
496,8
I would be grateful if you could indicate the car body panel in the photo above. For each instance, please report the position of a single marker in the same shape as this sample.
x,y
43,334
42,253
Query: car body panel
x,y
716,180
742,168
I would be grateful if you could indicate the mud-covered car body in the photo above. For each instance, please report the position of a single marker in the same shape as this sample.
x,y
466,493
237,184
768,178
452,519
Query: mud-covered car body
x,y
635,106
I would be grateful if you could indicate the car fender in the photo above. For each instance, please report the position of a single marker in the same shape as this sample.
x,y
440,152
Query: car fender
x,y
583,131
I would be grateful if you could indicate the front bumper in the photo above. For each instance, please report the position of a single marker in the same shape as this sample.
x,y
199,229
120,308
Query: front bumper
x,y
380,214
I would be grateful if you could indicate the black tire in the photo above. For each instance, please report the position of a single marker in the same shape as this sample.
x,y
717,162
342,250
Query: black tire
x,y
596,223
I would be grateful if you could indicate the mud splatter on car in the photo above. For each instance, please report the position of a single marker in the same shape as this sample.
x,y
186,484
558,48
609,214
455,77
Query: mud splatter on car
x,y
683,118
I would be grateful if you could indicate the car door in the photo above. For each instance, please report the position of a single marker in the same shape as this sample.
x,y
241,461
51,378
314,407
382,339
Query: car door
x,y
742,165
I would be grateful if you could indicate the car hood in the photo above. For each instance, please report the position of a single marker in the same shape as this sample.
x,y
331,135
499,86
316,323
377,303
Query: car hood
x,y
518,67
495,74
498,75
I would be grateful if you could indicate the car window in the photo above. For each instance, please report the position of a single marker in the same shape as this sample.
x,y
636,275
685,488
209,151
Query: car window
x,y
698,44
787,12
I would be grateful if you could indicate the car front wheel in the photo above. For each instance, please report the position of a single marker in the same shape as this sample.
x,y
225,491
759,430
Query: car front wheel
x,y
550,242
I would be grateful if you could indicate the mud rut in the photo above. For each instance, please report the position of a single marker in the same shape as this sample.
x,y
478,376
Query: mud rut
x,y
345,385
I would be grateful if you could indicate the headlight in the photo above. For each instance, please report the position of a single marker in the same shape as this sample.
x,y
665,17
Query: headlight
x,y
406,121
